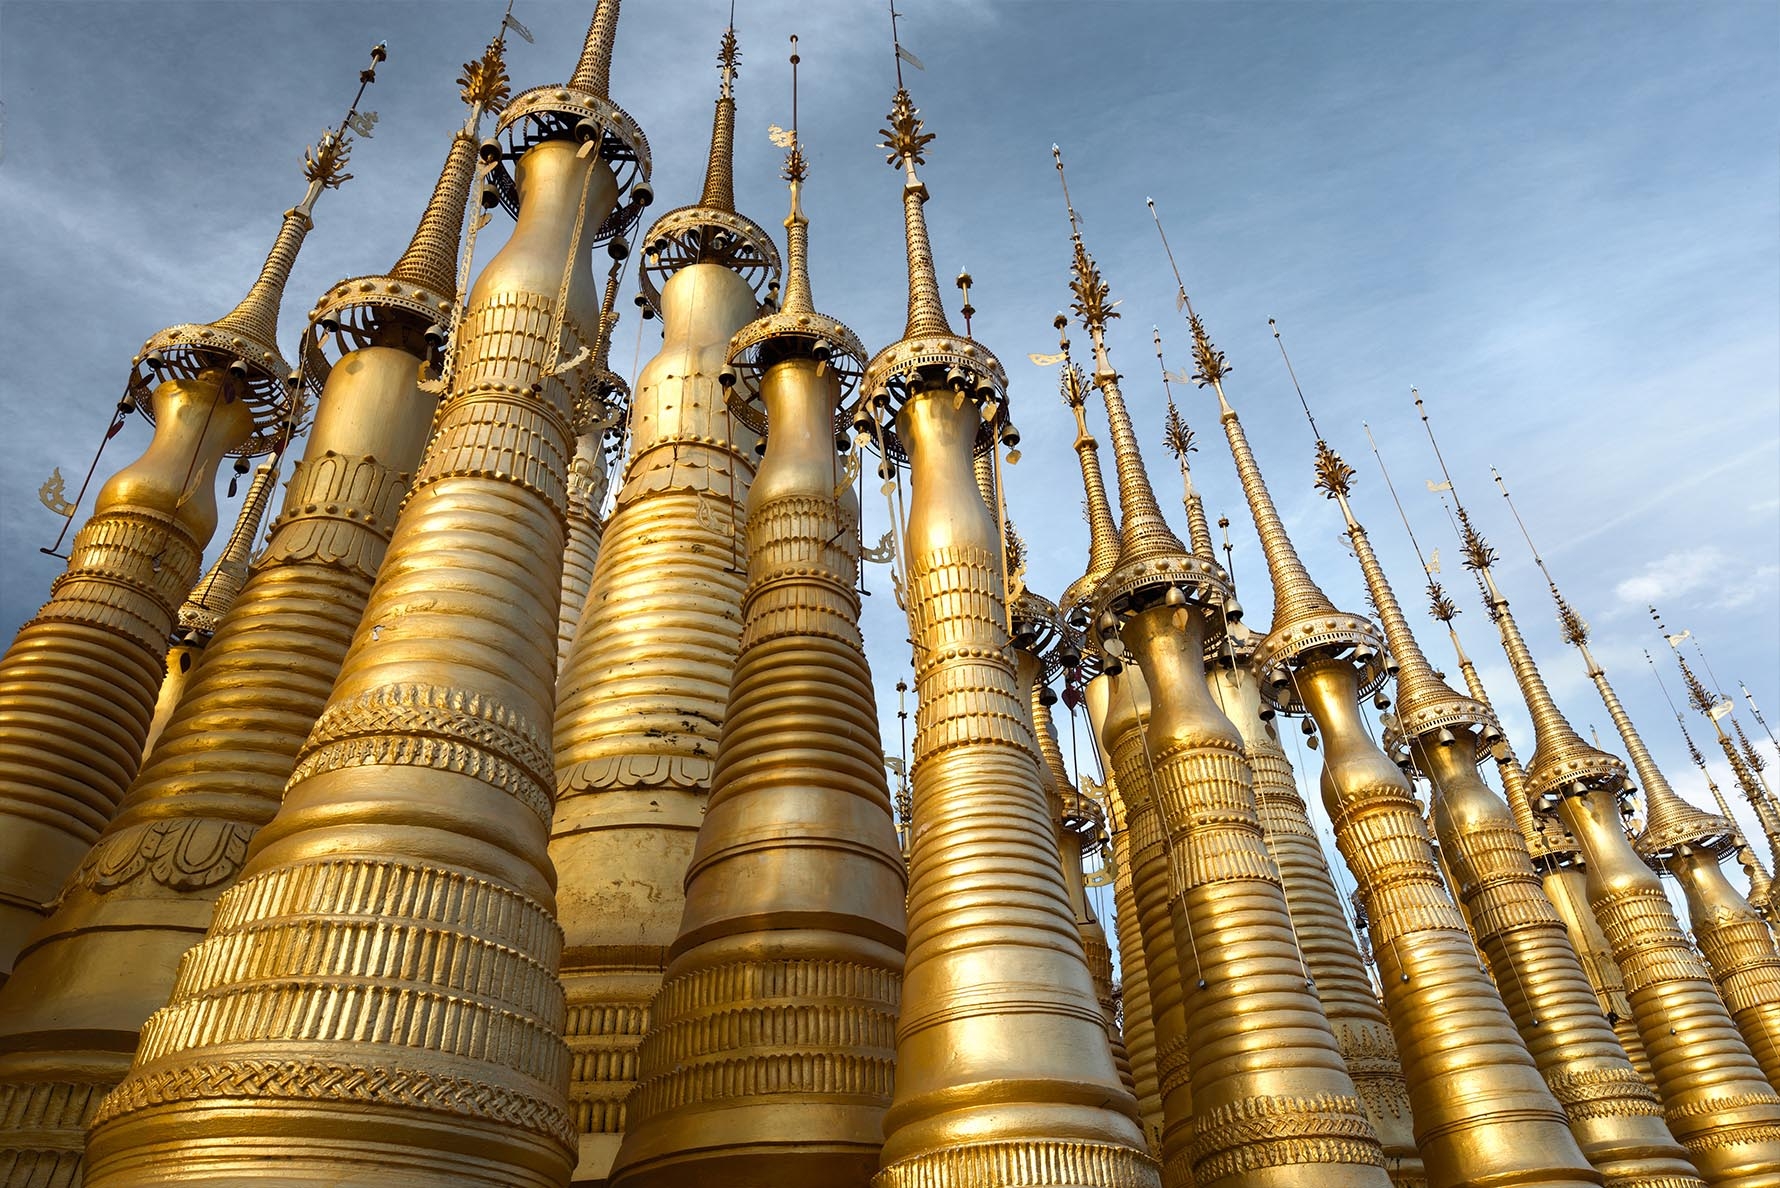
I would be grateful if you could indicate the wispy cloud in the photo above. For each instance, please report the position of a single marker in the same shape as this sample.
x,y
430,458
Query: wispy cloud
x,y
1715,578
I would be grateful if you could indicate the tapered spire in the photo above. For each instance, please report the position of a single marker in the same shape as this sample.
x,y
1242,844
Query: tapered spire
x,y
1103,529
907,140
796,328
719,191
419,292
1669,820
430,260
1560,756
246,338
1143,531
1425,702
710,231
593,72
928,342
1177,436
1304,620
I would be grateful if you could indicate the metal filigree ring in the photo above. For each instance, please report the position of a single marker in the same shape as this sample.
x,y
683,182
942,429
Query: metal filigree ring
x,y
1418,717
1331,633
1040,630
1135,584
1575,774
182,351
349,314
803,333
926,362
1708,832
560,113
706,235
602,402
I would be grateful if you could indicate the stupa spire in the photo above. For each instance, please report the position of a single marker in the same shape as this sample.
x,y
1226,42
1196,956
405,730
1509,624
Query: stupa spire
x,y
1177,436
246,338
719,191
593,70
1017,1075
710,231
1669,820
1714,709
1483,842
1103,529
1714,1094
907,139
1143,532
430,259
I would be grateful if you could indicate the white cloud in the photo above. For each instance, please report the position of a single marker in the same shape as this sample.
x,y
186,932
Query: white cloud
x,y
1722,580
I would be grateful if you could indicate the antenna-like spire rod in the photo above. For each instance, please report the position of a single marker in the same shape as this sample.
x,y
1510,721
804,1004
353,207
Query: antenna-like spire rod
x,y
1177,436
1144,534
1103,528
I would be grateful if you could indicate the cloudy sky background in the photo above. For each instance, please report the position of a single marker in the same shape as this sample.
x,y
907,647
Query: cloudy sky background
x,y
1560,222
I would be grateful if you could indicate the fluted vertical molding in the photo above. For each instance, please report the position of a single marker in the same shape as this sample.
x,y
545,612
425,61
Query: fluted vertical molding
x,y
770,1050
1613,1114
1331,954
1226,890
308,1028
1715,1099
1738,949
79,683
1688,843
1140,1025
1483,1115
643,694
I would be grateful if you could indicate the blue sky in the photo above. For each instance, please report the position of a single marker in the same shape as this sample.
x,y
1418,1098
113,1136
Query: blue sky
x,y
1560,221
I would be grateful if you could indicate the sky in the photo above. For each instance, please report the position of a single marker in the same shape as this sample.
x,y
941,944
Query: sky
x,y
1560,222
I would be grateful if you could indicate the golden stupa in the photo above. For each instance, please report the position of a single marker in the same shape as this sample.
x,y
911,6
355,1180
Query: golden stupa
x,y
508,801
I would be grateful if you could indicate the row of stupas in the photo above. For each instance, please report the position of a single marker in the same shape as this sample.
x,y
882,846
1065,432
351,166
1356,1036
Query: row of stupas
x,y
517,813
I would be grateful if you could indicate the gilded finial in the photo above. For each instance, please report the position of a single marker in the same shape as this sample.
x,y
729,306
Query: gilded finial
x,y
929,352
419,293
711,231
795,326
729,56
1210,366
245,340
906,137
1574,627
1562,763
1152,558
484,83
1177,438
1334,477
